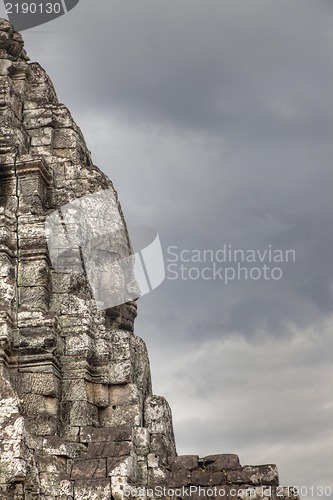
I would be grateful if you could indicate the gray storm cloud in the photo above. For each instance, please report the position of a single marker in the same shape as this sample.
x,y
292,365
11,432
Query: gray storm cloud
x,y
214,121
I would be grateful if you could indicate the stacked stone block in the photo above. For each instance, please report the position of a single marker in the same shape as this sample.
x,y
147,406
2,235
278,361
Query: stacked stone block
x,y
78,419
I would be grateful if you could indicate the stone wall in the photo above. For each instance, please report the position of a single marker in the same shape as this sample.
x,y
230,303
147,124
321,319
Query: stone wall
x,y
78,419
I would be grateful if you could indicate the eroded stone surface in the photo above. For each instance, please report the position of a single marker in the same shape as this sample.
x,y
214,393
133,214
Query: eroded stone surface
x,y
78,419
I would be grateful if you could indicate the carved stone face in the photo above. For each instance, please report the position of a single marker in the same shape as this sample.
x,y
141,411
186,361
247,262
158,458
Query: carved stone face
x,y
88,235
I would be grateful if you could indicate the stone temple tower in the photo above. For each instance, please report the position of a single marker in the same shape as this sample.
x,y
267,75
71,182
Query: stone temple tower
x,y
78,419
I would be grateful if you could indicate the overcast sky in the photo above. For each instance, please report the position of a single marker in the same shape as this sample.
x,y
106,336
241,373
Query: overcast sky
x,y
214,121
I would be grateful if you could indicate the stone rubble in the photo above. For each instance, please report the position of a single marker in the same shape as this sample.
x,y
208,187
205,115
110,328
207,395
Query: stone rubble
x,y
78,419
